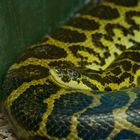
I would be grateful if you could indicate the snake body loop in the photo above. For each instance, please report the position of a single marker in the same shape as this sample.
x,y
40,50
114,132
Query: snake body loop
x,y
81,82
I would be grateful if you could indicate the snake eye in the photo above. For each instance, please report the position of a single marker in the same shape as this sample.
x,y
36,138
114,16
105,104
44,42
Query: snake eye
x,y
73,74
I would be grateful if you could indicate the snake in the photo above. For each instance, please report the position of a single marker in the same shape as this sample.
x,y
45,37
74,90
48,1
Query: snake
x,y
82,81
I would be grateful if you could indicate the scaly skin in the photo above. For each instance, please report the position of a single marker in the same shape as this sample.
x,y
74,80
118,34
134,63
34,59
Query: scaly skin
x,y
82,81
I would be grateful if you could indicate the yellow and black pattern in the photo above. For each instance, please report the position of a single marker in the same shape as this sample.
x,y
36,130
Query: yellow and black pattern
x,y
82,81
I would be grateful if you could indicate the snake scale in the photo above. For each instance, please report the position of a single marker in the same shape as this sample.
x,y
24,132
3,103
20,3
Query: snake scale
x,y
82,81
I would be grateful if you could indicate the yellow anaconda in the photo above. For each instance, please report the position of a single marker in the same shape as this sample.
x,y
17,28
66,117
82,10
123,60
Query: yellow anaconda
x,y
82,81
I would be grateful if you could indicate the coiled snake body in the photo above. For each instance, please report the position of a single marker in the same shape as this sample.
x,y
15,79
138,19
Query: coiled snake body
x,y
82,81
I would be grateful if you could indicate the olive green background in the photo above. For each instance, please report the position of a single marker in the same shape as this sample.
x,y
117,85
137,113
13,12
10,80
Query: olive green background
x,y
24,22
